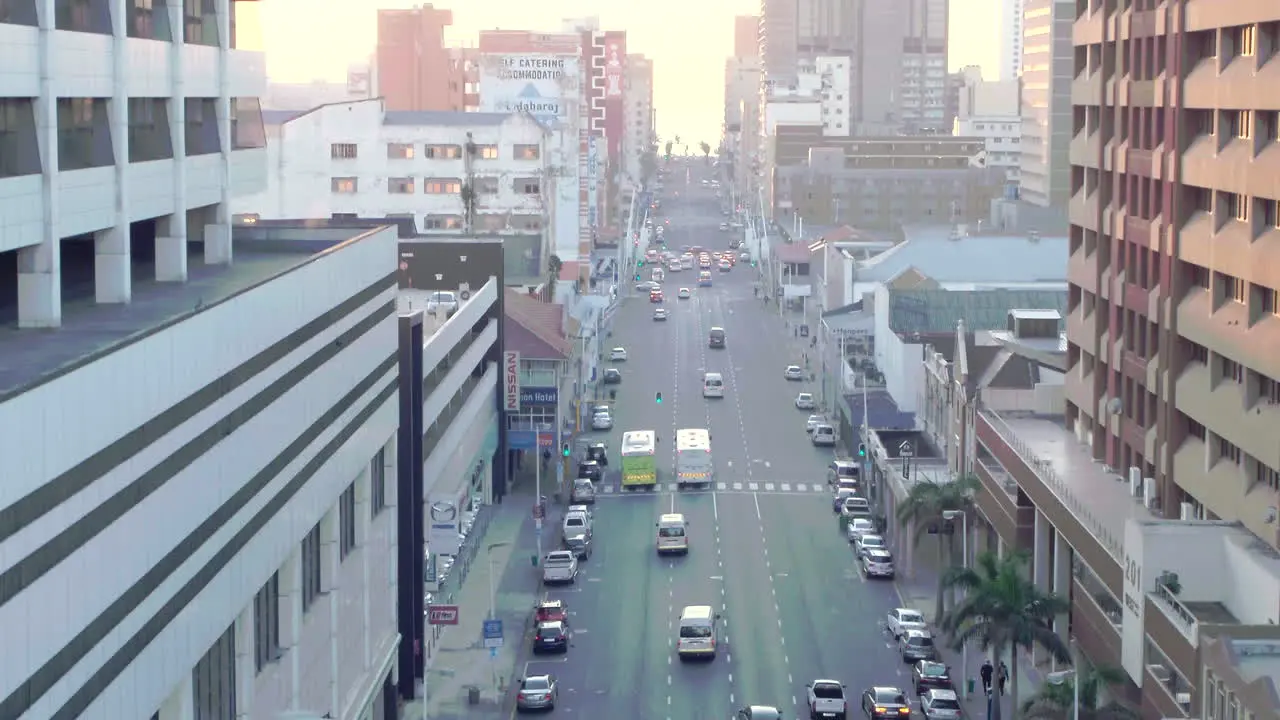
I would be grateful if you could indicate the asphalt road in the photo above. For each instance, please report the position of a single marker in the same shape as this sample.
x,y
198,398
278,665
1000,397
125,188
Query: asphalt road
x,y
765,548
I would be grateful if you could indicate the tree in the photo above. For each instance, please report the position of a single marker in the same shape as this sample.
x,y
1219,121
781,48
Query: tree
x,y
669,145
648,166
1054,702
923,508
706,150
554,265
1003,612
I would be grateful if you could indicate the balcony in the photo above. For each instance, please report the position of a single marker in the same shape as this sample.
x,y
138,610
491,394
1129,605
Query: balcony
x,y
1222,406
1082,269
1142,23
1133,366
1087,29
1082,211
1078,388
1140,162
1085,149
1081,331
1137,299
1142,93
998,501
1087,89
1142,232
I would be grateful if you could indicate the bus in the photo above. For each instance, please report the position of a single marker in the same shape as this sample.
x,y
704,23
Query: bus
x,y
693,457
704,278
639,461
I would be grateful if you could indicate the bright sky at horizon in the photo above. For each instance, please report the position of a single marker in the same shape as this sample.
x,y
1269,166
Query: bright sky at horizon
x,y
688,42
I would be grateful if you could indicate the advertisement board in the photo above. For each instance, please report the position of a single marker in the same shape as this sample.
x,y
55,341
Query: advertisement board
x,y
593,181
443,521
539,396
511,381
615,68
614,55
584,217
542,84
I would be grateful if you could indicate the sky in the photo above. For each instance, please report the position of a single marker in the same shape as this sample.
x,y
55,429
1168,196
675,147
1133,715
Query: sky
x,y
688,41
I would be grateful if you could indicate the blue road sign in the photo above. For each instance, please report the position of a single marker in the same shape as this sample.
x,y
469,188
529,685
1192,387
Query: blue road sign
x,y
492,631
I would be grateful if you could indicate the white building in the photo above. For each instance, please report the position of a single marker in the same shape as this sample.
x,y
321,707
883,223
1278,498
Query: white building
x,y
824,81
1010,39
639,136
113,134
358,159
989,110
224,461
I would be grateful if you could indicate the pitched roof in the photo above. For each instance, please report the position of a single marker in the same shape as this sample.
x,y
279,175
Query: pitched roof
x,y
919,310
533,328
989,259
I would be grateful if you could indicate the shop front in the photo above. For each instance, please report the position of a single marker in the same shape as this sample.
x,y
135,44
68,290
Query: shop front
x,y
535,426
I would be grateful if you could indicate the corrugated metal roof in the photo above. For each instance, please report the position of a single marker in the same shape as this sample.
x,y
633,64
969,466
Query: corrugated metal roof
x,y
982,259
938,311
443,117
533,328
280,117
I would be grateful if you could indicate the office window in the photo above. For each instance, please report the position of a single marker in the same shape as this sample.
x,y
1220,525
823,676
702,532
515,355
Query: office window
x,y
200,22
266,623
526,152
149,136
1267,389
400,151
442,186
378,483
528,186
344,185
1232,288
347,521
1246,38
91,16
1195,351
442,152
18,12
1242,124
400,186
486,185
1230,370
213,680
486,152
343,151
310,567
442,222
1229,451
147,19
1238,206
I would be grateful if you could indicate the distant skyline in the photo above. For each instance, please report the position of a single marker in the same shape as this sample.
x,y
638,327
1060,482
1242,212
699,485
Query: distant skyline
x,y
688,42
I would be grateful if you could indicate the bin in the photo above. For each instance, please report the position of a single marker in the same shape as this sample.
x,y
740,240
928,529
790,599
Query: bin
x,y
473,694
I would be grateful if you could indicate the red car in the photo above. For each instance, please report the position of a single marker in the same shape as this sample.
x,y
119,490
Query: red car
x,y
549,611
655,296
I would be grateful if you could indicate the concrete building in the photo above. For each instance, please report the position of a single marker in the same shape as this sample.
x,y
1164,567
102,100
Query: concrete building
x,y
1010,40
822,81
880,183
640,142
415,70
778,38
541,416
746,36
1047,69
110,160
922,94
989,110
359,160
259,479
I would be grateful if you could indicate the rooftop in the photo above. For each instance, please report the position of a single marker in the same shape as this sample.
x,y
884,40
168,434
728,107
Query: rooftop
x,y
534,328
937,311
411,299
409,118
990,260
1098,496
89,331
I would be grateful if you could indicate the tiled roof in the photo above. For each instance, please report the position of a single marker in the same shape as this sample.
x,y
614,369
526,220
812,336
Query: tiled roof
x,y
988,259
938,311
533,328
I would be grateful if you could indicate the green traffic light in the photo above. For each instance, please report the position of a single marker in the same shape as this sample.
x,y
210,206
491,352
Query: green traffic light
x,y
565,451
658,398
637,277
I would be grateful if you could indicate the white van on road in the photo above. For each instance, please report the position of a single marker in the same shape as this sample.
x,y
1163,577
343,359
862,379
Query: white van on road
x,y
698,633
673,534
712,385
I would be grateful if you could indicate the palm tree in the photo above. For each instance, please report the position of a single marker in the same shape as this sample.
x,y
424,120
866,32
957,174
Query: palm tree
x,y
1004,611
706,150
1054,702
554,264
669,146
924,506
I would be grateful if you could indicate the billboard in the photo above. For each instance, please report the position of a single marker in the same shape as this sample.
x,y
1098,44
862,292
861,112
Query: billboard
x,y
542,84
443,523
615,68
593,182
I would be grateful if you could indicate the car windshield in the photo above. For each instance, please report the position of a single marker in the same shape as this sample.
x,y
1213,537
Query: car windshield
x,y
574,522
549,631
536,683
879,556
828,691
559,558
872,541
890,697
670,532
944,704
758,713
695,631
920,641
932,669
911,617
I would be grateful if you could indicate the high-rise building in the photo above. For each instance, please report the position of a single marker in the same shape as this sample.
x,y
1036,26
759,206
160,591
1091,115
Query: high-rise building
x,y
1044,175
414,68
746,36
922,106
779,36
638,140
1010,39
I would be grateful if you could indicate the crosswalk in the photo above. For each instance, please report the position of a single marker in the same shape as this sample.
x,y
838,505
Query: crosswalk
x,y
740,487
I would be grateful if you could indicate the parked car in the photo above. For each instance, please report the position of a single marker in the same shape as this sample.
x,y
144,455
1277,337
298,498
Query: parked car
x,y
878,563
578,542
551,637
442,302
917,645
549,610
929,675
559,566
804,401
591,470
824,435
941,705
537,692
885,703
858,527
814,421
903,619
867,542
584,491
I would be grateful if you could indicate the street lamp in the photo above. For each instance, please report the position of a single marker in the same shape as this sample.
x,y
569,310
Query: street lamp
x,y
1061,676
964,552
493,612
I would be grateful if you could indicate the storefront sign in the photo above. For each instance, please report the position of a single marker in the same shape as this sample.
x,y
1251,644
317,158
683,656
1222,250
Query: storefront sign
x,y
1132,632
539,396
443,522
511,381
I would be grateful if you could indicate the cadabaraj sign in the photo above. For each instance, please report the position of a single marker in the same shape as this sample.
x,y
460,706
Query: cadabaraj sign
x,y
511,381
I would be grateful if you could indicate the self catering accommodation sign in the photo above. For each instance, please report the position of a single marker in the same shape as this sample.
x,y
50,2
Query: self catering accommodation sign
x,y
544,85
511,381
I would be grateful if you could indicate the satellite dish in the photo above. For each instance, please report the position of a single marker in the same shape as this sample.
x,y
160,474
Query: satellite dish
x,y
1114,406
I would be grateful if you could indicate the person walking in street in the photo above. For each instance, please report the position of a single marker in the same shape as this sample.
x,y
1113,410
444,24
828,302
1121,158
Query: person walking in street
x,y
1002,676
986,672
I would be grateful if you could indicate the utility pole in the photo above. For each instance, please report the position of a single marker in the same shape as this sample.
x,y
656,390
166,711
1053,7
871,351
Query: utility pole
x,y
468,192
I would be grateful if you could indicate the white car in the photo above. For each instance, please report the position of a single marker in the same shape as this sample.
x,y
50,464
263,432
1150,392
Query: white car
x,y
660,314
858,527
724,226
793,372
868,542
618,354
823,434
442,302
684,294
647,285
804,401
813,422
601,421
904,619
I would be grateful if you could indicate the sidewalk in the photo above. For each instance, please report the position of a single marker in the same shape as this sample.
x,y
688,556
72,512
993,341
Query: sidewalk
x,y
457,659
920,592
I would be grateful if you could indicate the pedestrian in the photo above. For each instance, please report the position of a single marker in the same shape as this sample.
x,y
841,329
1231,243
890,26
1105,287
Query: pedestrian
x,y
986,672
1002,676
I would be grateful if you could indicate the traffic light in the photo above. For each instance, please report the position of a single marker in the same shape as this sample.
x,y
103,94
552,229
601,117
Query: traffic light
x,y
637,277
546,454
640,262
862,450
658,398
565,450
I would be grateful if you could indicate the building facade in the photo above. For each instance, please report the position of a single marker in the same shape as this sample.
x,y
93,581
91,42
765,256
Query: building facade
x,y
640,140
923,89
1010,40
101,154
1045,172
989,110
746,36
358,159
415,70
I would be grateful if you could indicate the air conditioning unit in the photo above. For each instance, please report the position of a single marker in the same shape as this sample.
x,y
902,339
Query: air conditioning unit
x,y
1135,482
1149,493
1187,511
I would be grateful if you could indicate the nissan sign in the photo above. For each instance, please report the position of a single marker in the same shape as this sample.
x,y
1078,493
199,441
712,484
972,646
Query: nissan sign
x,y
511,381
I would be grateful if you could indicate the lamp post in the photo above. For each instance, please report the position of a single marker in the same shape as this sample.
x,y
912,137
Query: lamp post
x,y
493,614
1062,676
964,561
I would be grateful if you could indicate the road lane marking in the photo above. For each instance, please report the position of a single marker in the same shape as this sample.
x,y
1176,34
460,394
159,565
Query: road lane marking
x,y
801,487
760,517
737,486
768,486
766,464
721,486
786,487
715,513
753,486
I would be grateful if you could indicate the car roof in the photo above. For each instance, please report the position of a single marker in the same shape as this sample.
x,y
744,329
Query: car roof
x,y
544,678
560,554
919,633
899,611
882,690
828,682
551,604
940,694
551,624
844,463
871,535
879,552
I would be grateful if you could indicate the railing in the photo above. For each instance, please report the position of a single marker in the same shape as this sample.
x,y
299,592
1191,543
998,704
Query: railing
x,y
1113,545
1181,616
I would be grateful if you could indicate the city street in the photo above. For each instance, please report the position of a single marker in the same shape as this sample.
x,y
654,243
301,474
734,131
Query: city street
x,y
765,549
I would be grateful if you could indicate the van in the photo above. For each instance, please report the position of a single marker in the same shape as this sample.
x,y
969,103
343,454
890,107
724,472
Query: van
x,y
698,632
673,535
716,338
658,275
712,385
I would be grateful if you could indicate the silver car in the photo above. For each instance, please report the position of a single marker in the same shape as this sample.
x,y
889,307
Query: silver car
x,y
584,491
823,435
940,704
601,420
560,566
537,692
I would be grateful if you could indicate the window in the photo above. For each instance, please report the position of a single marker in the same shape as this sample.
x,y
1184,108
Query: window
x,y
310,567
347,521
1233,288
442,186
266,623
1271,214
1228,451
442,152
1194,429
528,186
344,185
147,19
149,137
83,138
82,16
200,23
1196,352
18,12
19,154
400,186
1242,124
442,222
213,680
1197,275
526,152
1266,476
486,185
487,152
378,483
1246,38
1230,370
1238,205
400,151
343,151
